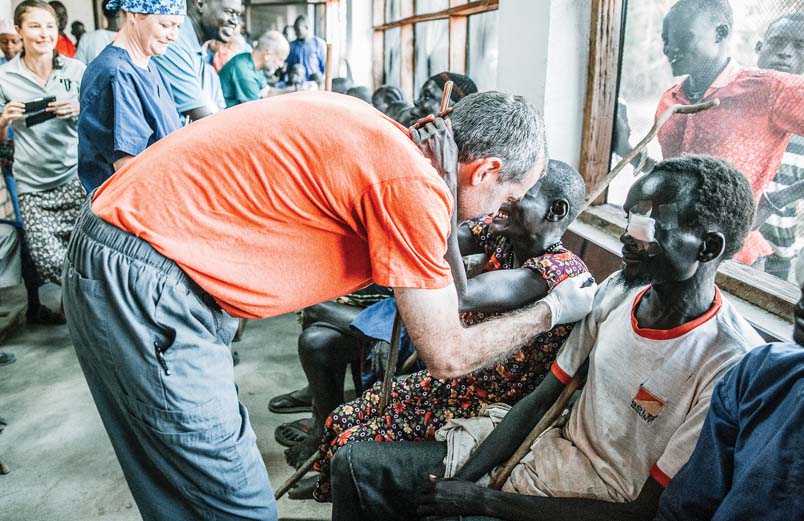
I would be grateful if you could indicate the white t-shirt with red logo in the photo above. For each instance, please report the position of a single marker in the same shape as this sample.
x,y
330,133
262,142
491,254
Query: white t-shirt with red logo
x,y
644,402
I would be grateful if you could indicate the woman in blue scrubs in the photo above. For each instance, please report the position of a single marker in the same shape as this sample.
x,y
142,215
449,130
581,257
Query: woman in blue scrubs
x,y
126,104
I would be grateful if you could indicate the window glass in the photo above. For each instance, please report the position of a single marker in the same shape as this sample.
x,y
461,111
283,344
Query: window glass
x,y
481,50
393,10
432,51
392,64
431,6
750,55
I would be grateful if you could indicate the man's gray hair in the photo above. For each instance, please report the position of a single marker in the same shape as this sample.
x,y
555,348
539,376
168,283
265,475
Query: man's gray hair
x,y
272,41
496,124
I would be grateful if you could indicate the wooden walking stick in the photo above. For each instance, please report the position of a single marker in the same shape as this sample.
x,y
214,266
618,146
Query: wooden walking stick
x,y
390,367
445,97
666,115
542,425
296,476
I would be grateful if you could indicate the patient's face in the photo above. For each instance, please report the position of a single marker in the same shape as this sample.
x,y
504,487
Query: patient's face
x,y
672,256
519,219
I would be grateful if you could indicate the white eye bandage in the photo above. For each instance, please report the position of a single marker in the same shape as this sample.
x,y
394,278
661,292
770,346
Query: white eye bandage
x,y
641,227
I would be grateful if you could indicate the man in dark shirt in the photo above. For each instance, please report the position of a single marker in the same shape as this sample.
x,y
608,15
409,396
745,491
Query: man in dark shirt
x,y
748,463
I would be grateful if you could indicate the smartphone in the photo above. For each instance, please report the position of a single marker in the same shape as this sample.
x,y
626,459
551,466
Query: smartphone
x,y
38,117
38,104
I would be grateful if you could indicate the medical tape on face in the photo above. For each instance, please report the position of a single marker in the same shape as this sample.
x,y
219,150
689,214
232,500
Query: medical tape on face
x,y
668,216
641,227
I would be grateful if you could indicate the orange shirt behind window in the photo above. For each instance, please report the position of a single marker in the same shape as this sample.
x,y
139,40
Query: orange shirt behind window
x,y
275,205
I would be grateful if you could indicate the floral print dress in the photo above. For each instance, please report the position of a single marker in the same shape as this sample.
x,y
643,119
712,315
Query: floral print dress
x,y
421,404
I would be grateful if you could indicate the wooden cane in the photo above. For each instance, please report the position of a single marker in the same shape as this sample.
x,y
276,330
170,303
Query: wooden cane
x,y
390,368
328,70
598,189
445,97
544,423
296,476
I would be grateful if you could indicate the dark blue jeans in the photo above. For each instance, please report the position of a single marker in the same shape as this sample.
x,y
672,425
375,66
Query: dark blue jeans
x,y
377,480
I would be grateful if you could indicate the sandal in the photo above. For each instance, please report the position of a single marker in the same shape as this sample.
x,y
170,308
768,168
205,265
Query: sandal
x,y
7,358
289,403
293,433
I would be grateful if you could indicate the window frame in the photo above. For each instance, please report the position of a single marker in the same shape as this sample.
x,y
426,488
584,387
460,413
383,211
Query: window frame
x,y
760,289
457,13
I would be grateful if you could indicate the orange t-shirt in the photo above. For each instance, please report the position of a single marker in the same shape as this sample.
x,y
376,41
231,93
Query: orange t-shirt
x,y
278,204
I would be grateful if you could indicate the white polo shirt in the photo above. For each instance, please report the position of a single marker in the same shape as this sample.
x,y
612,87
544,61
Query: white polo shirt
x,y
643,406
45,155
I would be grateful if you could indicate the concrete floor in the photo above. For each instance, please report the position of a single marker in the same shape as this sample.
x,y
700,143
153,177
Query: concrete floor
x,y
62,464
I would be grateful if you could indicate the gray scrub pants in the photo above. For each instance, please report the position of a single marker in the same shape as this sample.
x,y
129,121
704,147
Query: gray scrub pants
x,y
378,480
153,347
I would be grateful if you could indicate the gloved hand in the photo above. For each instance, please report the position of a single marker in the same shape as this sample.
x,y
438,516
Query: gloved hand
x,y
433,136
571,300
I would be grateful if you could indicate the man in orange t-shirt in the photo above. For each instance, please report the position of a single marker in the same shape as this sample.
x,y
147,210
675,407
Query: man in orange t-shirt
x,y
255,212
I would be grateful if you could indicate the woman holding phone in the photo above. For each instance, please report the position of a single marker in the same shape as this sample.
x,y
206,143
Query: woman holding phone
x,y
39,92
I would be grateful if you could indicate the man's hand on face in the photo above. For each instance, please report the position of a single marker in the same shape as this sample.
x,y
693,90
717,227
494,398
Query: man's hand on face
x,y
449,497
433,135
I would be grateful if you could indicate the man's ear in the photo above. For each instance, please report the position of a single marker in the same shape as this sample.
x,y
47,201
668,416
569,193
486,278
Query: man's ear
x,y
722,32
758,47
558,211
483,170
199,5
713,246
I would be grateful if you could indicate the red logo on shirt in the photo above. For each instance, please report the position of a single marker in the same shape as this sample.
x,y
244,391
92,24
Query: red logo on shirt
x,y
647,405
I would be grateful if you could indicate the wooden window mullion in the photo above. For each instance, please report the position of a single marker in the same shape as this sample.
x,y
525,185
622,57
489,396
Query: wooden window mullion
x,y
458,31
601,90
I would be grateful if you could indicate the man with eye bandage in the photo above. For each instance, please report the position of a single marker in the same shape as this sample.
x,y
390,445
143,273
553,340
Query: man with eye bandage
x,y
658,339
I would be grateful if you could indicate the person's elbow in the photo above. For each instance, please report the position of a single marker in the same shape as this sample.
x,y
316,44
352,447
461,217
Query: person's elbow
x,y
446,361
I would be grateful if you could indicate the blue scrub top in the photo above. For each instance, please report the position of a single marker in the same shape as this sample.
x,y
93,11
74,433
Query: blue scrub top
x,y
124,110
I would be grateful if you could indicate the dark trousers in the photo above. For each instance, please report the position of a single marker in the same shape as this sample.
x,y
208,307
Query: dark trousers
x,y
373,481
154,348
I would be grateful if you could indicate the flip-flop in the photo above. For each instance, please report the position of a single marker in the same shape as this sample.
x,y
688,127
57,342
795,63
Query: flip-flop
x,y
288,404
293,433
